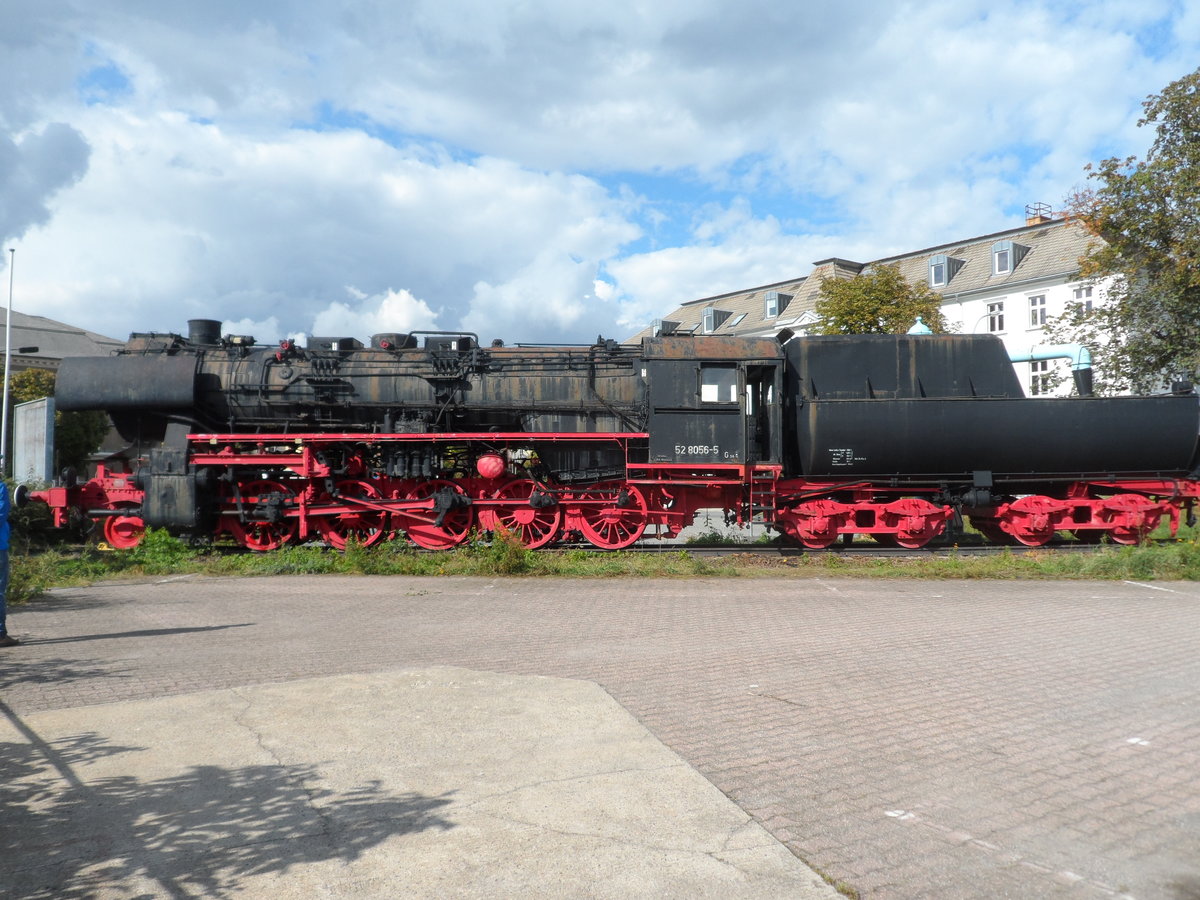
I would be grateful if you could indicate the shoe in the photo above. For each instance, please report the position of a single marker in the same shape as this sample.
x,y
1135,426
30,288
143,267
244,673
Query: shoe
x,y
8,641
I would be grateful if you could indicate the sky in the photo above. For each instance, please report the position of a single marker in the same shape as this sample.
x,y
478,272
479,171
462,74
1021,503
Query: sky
x,y
532,170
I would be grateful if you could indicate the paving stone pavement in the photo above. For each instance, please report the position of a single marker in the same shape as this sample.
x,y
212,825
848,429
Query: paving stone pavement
x,y
906,738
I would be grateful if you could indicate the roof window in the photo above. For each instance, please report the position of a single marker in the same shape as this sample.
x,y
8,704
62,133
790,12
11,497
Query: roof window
x,y
659,327
942,268
774,303
1006,256
714,318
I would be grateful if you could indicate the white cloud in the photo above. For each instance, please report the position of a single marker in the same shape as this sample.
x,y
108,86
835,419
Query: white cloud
x,y
220,223
246,162
391,311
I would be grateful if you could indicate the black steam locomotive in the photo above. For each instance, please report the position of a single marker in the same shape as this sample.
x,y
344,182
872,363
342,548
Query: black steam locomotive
x,y
431,436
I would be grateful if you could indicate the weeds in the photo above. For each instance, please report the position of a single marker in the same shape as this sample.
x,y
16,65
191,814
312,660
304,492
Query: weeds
x,y
33,571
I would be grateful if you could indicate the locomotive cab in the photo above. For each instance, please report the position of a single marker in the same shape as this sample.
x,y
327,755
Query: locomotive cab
x,y
714,401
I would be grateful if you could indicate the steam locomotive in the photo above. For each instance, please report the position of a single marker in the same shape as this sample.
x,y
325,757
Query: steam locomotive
x,y
430,437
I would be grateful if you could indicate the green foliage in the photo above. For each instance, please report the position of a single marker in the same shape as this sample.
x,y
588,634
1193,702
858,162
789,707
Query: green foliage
x,y
1145,211
507,555
31,384
161,554
76,434
879,301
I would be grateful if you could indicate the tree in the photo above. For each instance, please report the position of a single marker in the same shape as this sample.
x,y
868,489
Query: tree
x,y
76,434
879,301
1147,214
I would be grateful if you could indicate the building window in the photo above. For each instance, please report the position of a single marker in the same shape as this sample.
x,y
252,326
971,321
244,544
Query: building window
x,y
1083,298
774,303
1006,256
1037,311
937,271
1039,377
713,319
943,268
995,316
1002,258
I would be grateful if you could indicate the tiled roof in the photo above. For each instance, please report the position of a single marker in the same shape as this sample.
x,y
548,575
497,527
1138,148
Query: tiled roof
x,y
54,340
1053,249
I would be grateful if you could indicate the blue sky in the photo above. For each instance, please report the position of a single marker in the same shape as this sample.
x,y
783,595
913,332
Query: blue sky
x,y
540,171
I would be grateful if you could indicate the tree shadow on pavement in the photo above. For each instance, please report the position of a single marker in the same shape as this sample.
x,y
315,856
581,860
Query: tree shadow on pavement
x,y
201,832
53,671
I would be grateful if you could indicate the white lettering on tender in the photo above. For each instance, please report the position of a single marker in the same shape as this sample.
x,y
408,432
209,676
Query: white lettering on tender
x,y
843,456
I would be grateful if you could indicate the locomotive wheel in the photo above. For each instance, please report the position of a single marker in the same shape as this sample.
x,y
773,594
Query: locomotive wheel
x,y
124,532
613,524
365,526
917,522
531,526
263,535
421,525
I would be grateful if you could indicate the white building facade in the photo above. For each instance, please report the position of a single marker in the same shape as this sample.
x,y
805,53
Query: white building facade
x,y
1010,284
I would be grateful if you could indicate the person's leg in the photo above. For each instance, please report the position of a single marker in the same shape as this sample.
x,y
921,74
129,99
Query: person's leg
x,y
3,593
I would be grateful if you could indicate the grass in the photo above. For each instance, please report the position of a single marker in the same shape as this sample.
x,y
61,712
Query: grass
x,y
34,571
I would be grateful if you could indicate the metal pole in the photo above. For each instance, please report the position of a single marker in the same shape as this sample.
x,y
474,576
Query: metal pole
x,y
12,258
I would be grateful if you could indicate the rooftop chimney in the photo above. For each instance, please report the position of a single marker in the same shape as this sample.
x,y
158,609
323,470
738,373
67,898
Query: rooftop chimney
x,y
1038,214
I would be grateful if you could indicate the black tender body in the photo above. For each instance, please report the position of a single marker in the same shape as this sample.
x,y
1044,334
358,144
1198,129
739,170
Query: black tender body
x,y
940,408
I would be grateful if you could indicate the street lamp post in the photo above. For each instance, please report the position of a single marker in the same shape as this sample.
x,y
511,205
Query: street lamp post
x,y
12,257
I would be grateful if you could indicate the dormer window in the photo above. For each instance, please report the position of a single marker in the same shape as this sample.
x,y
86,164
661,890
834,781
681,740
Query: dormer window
x,y
774,303
1006,256
937,271
713,319
942,268
1002,258
660,327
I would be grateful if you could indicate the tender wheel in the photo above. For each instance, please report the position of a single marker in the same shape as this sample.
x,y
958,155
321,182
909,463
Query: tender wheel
x,y
455,514
618,520
815,524
1133,517
1034,520
917,522
123,532
365,526
267,527
533,526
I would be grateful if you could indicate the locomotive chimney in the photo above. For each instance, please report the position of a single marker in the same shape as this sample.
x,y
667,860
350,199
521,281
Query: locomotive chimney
x,y
204,331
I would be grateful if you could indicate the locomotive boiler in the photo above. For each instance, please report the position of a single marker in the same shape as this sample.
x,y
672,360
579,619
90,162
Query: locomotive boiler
x,y
430,437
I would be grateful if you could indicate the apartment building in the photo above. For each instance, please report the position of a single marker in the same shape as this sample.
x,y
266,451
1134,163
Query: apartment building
x,y
1010,283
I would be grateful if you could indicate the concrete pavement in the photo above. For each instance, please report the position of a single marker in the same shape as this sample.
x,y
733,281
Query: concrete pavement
x,y
439,782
